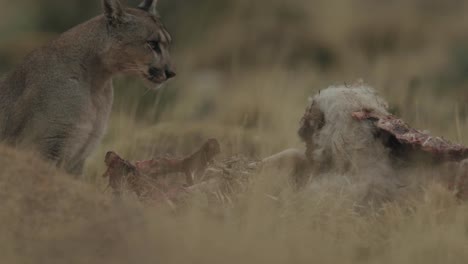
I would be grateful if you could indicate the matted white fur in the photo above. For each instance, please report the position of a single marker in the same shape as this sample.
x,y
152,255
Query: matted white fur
x,y
347,153
344,144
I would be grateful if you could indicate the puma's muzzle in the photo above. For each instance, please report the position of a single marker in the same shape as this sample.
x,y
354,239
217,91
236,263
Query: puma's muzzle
x,y
159,76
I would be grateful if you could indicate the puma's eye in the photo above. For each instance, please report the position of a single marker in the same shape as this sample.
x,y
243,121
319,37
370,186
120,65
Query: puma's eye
x,y
154,45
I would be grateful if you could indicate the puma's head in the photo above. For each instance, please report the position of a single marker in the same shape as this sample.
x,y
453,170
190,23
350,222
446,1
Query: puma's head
x,y
139,42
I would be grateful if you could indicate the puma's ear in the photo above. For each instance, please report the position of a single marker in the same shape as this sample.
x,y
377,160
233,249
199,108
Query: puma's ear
x,y
113,11
149,6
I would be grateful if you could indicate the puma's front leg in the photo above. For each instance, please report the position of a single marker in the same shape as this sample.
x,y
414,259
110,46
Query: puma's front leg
x,y
77,169
55,151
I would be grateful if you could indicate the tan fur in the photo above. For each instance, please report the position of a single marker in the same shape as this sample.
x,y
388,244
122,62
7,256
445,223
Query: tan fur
x,y
59,99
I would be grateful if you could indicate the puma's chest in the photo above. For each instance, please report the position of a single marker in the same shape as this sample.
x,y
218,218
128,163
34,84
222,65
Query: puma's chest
x,y
91,124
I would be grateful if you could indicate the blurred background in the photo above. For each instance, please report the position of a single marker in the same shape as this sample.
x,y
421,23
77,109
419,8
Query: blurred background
x,y
246,67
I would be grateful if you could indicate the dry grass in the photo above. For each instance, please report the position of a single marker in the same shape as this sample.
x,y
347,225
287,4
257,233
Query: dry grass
x,y
49,218
245,80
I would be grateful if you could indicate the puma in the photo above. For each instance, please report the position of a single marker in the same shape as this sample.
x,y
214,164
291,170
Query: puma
x,y
58,100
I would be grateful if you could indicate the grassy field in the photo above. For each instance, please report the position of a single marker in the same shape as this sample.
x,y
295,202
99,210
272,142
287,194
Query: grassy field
x,y
245,71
